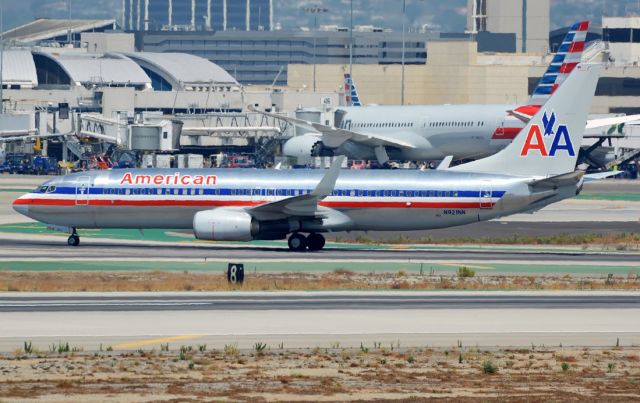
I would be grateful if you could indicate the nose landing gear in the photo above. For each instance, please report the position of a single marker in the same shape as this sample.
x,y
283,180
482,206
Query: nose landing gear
x,y
74,239
299,243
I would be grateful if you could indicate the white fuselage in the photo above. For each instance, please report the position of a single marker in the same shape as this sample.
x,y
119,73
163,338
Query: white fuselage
x,y
361,200
436,131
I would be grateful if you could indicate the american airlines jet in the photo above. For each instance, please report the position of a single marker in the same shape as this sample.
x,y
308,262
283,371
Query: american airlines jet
x,y
535,170
433,132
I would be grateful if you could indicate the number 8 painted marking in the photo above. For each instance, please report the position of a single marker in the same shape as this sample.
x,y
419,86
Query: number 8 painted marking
x,y
232,274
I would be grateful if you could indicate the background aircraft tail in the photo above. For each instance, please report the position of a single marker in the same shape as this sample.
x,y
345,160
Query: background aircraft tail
x,y
550,142
350,92
567,57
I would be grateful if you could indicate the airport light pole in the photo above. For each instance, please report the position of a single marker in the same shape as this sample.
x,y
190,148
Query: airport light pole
x,y
1,58
351,39
315,10
404,13
69,21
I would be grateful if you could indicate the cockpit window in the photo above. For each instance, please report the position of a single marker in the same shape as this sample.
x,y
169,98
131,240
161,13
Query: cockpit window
x,y
51,189
42,189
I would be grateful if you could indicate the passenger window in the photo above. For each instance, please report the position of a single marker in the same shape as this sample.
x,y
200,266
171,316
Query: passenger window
x,y
352,193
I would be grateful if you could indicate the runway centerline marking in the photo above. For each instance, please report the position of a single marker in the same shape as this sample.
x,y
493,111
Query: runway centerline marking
x,y
148,342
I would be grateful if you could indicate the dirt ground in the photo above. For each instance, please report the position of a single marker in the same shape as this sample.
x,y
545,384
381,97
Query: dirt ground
x,y
371,373
14,281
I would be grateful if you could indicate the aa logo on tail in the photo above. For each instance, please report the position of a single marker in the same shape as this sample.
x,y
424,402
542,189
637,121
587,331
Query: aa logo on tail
x,y
537,135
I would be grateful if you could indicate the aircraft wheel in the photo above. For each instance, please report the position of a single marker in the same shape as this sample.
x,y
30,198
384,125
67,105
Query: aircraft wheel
x,y
315,242
73,240
297,242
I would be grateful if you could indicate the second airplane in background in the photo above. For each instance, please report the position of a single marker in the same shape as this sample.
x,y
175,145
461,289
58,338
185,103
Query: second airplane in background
x,y
433,132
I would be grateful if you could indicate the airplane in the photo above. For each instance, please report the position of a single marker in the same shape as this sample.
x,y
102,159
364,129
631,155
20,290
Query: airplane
x,y
351,93
535,170
433,132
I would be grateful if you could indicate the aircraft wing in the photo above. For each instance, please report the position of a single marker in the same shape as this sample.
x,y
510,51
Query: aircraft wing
x,y
603,122
337,136
305,205
591,123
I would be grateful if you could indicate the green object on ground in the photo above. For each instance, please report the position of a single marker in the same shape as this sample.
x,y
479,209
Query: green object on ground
x,y
611,196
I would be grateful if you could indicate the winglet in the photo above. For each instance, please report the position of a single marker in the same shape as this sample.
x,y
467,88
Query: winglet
x,y
328,181
445,163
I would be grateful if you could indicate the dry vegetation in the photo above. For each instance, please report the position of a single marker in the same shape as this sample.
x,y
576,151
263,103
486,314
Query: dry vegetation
x,y
606,241
465,279
372,373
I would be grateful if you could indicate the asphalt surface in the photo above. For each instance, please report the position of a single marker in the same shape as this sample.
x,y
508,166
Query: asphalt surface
x,y
314,301
30,247
130,321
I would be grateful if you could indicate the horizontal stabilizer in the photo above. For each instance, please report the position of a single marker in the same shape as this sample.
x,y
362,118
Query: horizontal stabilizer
x,y
553,182
600,175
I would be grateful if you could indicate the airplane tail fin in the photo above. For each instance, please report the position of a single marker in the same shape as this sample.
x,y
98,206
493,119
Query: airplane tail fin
x,y
567,57
350,92
550,142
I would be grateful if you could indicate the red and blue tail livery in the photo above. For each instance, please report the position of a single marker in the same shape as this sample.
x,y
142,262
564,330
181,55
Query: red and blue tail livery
x,y
535,141
567,57
350,92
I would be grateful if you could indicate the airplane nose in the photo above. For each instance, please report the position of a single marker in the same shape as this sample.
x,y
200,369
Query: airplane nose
x,y
21,206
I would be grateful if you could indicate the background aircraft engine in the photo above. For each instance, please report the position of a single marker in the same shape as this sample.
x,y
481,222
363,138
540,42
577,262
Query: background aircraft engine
x,y
302,146
224,224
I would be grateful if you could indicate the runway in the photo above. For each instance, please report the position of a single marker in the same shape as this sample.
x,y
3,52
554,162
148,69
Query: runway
x,y
324,319
54,248
310,301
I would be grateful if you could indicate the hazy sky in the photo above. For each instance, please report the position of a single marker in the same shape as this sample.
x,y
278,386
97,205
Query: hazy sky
x,y
440,15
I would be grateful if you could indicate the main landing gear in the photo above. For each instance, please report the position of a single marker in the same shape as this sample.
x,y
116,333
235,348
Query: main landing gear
x,y
74,239
300,243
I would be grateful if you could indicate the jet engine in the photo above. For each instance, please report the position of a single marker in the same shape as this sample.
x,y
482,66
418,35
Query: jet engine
x,y
305,146
224,224
235,224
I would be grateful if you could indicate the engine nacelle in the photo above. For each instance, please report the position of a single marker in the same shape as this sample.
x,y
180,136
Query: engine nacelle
x,y
301,146
225,224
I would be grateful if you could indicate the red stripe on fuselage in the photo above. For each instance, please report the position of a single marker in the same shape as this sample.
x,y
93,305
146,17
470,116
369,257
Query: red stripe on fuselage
x,y
245,203
505,133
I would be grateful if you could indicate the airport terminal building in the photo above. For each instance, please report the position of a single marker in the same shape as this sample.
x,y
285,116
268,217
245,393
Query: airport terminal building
x,y
197,15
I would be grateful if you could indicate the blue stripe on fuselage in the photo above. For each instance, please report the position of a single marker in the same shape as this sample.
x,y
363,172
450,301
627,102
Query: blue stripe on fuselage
x,y
181,191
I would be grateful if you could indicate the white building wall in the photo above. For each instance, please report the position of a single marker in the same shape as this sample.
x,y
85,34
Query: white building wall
x,y
505,16
623,53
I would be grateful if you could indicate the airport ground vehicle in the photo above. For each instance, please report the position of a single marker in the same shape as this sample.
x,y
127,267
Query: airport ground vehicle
x,y
237,161
16,163
43,166
535,170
